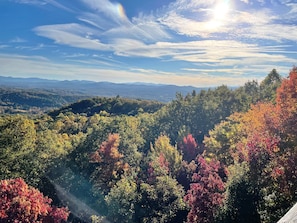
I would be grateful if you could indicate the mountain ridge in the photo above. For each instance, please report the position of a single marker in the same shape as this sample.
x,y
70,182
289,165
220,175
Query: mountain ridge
x,y
137,90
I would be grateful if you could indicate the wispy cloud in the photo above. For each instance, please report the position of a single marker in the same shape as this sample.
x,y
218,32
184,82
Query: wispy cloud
x,y
293,8
18,40
31,2
257,23
59,5
74,35
218,52
114,11
43,3
43,68
106,22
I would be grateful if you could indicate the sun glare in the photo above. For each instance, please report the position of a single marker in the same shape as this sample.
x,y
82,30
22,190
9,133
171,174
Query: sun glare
x,y
221,10
219,14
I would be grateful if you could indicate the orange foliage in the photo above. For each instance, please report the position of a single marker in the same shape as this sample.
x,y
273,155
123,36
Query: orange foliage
x,y
109,163
261,118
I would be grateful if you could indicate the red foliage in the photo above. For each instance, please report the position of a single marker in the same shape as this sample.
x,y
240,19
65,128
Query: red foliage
x,y
261,146
287,102
205,194
22,203
189,148
285,174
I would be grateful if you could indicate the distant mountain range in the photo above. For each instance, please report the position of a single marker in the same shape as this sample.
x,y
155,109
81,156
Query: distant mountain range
x,y
162,93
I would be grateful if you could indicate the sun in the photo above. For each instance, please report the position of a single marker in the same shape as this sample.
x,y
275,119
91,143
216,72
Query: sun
x,y
219,14
221,10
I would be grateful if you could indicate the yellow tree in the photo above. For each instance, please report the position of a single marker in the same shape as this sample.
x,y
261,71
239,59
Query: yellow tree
x,y
17,145
171,154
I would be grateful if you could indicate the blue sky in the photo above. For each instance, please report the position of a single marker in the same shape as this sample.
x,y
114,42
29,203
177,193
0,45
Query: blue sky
x,y
183,42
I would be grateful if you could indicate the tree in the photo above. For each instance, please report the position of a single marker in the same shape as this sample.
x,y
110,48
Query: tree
x,y
108,164
242,199
17,144
222,140
269,85
171,154
287,105
189,148
158,166
22,203
161,201
206,192
121,201
131,139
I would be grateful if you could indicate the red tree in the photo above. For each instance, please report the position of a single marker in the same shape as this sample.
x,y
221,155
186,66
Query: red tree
x,y
287,103
22,203
189,148
205,194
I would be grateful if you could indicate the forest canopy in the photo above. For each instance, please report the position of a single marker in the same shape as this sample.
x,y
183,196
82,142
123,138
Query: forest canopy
x,y
219,155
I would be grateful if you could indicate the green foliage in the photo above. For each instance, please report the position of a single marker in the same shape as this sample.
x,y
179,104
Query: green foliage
x,y
14,100
132,141
160,202
171,154
198,113
269,86
17,146
242,199
113,106
222,140
121,201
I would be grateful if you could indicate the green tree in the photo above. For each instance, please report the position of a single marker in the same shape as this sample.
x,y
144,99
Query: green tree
x,y
223,139
17,147
242,200
121,201
269,86
160,202
131,140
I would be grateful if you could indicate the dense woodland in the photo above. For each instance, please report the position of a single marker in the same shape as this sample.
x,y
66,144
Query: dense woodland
x,y
219,155
34,101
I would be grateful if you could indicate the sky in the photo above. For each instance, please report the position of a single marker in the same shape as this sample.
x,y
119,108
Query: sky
x,y
199,43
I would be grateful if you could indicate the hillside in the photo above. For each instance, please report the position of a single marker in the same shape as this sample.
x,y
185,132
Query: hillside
x,y
113,106
163,93
14,100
